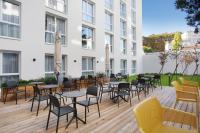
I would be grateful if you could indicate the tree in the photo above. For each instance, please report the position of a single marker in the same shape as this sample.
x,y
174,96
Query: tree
x,y
157,41
191,7
177,41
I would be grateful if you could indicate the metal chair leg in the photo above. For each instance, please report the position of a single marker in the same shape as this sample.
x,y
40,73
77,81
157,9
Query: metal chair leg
x,y
32,104
57,124
48,120
38,108
98,108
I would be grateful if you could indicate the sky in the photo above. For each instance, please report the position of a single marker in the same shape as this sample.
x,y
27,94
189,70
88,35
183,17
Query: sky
x,y
160,16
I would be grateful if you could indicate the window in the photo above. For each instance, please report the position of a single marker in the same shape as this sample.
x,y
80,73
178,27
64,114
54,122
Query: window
x,y
123,66
108,21
133,30
122,9
122,28
133,49
64,64
109,40
133,67
59,5
133,3
49,65
88,66
52,25
9,19
109,4
88,11
111,66
87,37
123,46
10,66
133,17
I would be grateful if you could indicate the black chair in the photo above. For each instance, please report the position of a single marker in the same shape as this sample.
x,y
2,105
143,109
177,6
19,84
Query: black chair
x,y
12,86
123,91
142,86
157,80
92,93
104,89
58,110
135,89
38,96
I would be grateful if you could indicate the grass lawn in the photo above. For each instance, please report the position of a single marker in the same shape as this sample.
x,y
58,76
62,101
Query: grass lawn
x,y
165,78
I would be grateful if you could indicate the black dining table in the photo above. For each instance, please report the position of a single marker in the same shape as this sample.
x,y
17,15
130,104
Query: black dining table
x,y
35,83
74,95
48,87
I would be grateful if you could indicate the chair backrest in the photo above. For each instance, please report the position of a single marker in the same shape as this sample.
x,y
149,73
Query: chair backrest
x,y
148,115
11,84
68,84
112,75
157,76
134,82
36,91
141,81
54,101
176,85
124,86
92,90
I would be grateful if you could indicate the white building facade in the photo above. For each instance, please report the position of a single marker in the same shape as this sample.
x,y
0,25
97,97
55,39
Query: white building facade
x,y
27,36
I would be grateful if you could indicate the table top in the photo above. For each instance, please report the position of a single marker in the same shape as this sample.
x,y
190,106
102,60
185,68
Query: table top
x,y
117,82
74,94
36,83
49,86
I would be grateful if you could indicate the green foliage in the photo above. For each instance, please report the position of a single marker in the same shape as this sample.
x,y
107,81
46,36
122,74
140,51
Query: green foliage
x,y
191,7
100,74
147,49
23,82
4,85
50,80
157,41
177,41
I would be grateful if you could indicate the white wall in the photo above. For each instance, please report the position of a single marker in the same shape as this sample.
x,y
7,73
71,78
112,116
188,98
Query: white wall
x,y
151,64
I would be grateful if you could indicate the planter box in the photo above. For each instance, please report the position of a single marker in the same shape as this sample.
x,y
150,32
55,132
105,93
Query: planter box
x,y
11,97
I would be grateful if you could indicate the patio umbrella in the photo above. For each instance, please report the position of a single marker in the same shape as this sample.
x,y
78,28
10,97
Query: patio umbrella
x,y
57,55
107,60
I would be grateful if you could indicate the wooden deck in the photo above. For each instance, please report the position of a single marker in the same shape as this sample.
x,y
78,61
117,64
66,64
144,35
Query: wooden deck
x,y
19,119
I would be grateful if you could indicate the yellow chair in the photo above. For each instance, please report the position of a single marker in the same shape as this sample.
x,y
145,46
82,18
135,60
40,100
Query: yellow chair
x,y
188,82
150,116
186,93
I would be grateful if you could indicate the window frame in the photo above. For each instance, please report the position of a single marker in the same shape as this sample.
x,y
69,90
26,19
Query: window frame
x,y
50,6
108,24
123,28
109,5
87,65
111,46
10,23
55,18
123,70
123,46
93,37
133,69
86,12
123,13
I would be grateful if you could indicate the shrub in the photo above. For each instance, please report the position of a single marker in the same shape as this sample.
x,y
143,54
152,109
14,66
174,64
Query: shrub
x,y
50,80
147,49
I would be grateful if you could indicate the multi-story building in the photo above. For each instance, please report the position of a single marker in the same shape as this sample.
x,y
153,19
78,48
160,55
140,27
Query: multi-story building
x,y
27,36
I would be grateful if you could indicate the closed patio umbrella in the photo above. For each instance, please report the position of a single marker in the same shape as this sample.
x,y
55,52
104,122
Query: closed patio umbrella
x,y
107,60
58,59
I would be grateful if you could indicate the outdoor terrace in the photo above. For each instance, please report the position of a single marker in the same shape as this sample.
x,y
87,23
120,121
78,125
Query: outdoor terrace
x,y
18,118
